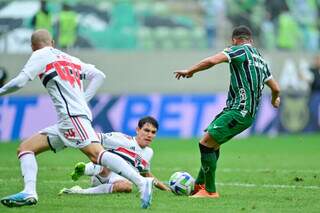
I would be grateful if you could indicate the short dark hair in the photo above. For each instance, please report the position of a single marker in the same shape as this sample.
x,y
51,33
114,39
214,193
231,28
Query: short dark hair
x,y
242,31
150,120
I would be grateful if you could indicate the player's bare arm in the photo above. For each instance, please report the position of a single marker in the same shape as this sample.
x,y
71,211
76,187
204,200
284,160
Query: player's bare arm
x,y
202,65
157,183
275,92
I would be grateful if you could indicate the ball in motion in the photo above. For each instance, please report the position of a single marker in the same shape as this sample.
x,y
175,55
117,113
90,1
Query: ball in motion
x,y
181,183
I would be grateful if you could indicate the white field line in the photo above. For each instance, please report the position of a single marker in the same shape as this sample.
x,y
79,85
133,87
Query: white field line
x,y
223,170
15,180
52,168
243,185
268,170
274,186
236,170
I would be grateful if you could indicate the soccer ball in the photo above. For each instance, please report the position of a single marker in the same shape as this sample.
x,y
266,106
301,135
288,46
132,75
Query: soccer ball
x,y
181,183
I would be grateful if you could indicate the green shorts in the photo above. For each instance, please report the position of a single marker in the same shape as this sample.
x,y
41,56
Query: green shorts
x,y
228,124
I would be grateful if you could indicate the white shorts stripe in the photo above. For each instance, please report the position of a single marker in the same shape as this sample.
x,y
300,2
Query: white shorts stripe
x,y
83,130
71,135
76,126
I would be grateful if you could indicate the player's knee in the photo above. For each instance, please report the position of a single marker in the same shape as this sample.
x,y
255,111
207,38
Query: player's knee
x,y
122,186
94,152
35,144
93,156
94,159
104,172
22,148
210,142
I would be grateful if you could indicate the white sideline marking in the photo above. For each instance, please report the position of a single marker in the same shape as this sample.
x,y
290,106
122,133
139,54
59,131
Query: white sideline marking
x,y
8,168
48,181
245,185
226,170
274,186
267,170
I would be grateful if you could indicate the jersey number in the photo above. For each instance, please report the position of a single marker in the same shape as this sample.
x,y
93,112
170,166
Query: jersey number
x,y
68,72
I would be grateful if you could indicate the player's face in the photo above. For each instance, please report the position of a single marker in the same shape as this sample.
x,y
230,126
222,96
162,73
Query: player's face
x,y
145,134
234,41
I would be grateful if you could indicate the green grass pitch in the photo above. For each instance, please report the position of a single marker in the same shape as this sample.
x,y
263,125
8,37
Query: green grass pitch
x,y
256,174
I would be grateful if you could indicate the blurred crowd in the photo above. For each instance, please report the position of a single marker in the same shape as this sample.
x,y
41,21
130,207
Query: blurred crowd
x,y
302,78
169,24
283,24
65,28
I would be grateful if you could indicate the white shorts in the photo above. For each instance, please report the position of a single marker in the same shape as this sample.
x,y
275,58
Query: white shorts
x,y
81,135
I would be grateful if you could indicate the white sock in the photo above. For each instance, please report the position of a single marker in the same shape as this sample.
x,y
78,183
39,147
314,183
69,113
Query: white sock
x,y
92,169
118,165
29,169
101,189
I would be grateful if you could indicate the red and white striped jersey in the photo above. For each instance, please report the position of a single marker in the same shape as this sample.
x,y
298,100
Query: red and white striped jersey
x,y
62,75
128,148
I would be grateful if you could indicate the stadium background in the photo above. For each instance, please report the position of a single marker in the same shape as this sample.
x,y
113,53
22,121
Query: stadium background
x,y
138,44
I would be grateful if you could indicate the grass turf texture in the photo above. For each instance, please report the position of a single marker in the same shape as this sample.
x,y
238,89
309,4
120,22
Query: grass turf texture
x,y
256,174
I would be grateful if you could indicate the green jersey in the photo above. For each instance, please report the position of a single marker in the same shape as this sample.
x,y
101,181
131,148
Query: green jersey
x,y
249,71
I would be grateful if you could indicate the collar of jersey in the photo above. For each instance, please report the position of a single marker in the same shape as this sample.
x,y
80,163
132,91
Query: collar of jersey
x,y
248,44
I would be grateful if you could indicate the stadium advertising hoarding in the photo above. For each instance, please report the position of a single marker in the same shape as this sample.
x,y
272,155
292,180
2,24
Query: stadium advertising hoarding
x,y
179,115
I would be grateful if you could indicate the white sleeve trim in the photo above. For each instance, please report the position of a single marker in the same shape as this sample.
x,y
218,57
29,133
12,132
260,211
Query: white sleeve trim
x,y
267,79
229,59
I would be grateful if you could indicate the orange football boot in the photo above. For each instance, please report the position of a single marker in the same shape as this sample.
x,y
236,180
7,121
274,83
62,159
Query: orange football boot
x,y
197,188
202,193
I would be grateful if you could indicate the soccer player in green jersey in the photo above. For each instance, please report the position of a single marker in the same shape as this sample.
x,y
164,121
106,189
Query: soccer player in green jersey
x,y
249,72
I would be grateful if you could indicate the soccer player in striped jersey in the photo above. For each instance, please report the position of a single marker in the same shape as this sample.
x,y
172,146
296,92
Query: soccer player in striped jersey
x,y
135,150
249,73
62,75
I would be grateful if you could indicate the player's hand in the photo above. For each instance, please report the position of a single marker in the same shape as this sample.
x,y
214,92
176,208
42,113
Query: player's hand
x,y
183,74
166,188
276,102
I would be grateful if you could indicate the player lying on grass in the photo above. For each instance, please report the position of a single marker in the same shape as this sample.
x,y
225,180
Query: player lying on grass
x,y
249,73
135,150
62,75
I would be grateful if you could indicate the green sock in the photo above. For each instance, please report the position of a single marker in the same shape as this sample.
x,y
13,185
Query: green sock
x,y
209,165
217,152
200,178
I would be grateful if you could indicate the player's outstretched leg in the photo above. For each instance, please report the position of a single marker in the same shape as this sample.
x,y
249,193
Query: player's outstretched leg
x,y
29,168
19,199
72,190
208,163
118,165
78,171
146,193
